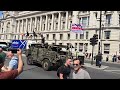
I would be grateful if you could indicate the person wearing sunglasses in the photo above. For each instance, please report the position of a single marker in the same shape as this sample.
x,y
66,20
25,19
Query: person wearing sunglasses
x,y
79,72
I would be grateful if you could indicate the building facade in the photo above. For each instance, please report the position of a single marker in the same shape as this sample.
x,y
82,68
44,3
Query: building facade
x,y
55,27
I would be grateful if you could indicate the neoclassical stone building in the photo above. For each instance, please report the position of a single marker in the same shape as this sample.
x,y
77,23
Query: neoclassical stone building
x,y
55,27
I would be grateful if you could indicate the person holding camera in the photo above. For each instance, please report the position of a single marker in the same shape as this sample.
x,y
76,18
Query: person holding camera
x,y
14,69
13,64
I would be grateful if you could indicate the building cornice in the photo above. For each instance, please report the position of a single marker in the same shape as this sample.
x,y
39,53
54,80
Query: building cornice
x,y
36,13
65,31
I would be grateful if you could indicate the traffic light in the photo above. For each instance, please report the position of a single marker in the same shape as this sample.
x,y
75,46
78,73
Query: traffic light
x,y
91,41
95,36
94,40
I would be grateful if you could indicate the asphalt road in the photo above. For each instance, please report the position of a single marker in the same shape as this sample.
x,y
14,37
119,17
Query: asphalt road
x,y
112,64
36,72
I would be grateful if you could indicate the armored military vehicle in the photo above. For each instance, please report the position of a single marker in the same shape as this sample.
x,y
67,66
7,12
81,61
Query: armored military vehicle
x,y
47,55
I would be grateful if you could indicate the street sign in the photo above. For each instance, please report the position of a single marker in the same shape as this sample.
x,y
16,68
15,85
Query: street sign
x,y
19,44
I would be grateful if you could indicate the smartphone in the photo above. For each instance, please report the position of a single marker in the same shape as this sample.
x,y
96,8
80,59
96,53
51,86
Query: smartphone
x,y
13,50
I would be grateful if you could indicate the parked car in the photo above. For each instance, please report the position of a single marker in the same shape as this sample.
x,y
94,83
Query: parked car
x,y
4,47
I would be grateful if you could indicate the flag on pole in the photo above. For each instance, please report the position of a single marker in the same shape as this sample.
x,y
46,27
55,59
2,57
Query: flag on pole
x,y
77,28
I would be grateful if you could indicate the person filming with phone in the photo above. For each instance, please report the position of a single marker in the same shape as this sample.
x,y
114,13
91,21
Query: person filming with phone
x,y
13,64
12,74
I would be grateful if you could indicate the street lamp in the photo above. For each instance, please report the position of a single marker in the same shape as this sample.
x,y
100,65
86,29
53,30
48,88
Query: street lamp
x,y
102,36
99,56
100,28
99,41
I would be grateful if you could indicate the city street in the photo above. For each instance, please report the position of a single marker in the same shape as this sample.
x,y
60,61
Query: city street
x,y
56,35
36,72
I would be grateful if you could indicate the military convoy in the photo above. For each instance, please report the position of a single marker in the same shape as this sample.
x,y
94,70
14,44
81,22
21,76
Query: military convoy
x,y
47,56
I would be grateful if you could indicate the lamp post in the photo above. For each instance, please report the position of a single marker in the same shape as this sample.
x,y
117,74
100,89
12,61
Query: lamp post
x,y
100,32
102,36
99,56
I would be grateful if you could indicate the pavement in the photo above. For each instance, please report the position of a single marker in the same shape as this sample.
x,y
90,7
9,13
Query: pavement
x,y
104,63
95,67
118,62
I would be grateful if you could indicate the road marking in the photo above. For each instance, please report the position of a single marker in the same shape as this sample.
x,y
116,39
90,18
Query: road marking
x,y
111,70
95,67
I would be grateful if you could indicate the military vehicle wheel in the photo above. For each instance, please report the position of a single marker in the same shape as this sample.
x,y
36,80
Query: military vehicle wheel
x,y
46,65
29,60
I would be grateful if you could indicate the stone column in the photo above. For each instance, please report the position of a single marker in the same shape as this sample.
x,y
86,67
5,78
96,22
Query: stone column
x,y
4,29
93,19
10,30
66,22
22,26
36,24
40,23
15,29
46,23
26,25
52,24
115,19
18,29
59,21
30,25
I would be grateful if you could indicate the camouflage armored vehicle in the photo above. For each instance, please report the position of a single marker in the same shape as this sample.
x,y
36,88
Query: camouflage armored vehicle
x,y
47,55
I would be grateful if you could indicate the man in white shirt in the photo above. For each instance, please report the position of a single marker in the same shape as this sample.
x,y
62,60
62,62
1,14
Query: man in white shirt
x,y
79,73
